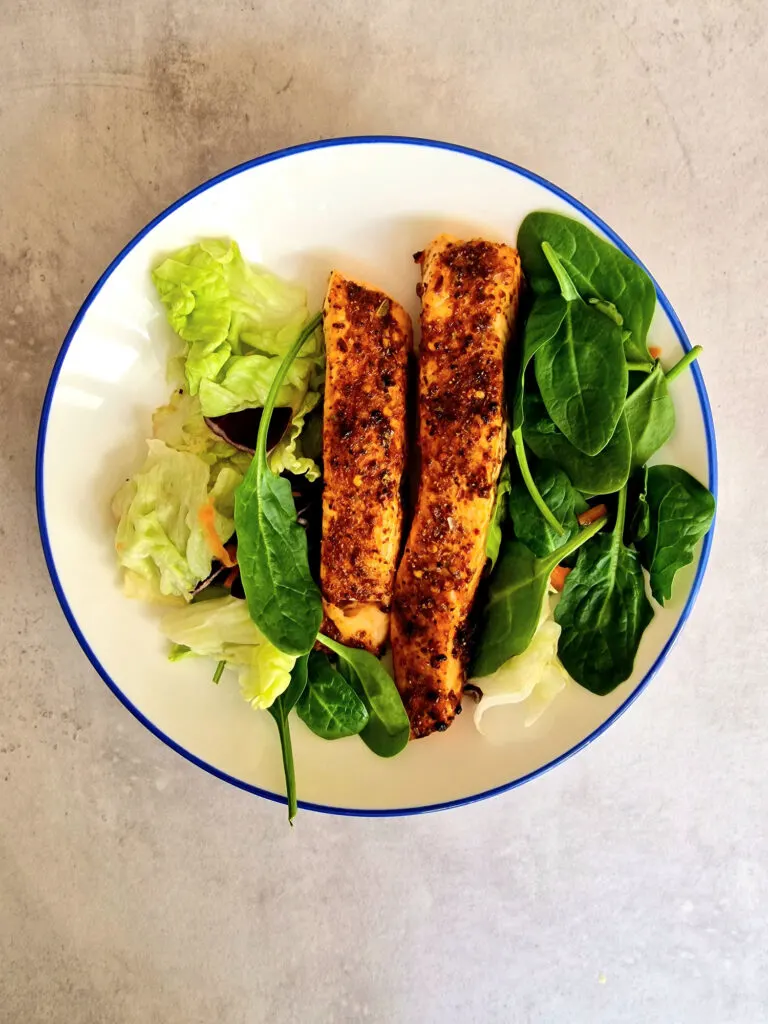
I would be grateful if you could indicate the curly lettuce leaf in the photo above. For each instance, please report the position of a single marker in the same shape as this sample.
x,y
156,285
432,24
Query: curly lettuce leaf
x,y
162,541
239,321
194,290
181,426
246,380
291,454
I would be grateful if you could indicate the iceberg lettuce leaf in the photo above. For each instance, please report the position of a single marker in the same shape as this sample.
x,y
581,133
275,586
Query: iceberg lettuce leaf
x,y
525,685
223,629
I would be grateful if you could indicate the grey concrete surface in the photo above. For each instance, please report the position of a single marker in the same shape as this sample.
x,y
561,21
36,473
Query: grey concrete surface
x,y
630,885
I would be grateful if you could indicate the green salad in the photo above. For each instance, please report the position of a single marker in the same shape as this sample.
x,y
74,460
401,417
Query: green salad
x,y
221,522
591,405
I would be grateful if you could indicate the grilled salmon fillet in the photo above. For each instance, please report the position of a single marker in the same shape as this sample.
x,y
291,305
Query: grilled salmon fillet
x,y
368,339
470,293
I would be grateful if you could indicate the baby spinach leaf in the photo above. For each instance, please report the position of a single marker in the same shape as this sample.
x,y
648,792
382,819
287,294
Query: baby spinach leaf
x,y
650,416
603,611
388,728
283,599
649,408
280,709
516,594
681,512
598,270
529,525
499,516
543,322
581,370
592,474
329,706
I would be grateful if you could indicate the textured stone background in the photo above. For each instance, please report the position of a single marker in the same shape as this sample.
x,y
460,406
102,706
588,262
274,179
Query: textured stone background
x,y
628,886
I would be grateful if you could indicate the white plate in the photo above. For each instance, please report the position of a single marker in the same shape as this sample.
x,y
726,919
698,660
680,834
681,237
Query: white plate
x,y
363,205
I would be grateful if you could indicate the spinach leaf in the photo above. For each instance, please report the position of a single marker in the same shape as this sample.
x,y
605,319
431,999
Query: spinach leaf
x,y
581,370
516,595
650,416
283,599
591,474
681,512
280,709
543,322
598,270
649,408
388,727
329,706
499,516
603,611
561,497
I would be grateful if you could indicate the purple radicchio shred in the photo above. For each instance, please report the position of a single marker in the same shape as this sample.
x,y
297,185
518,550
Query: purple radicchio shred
x,y
240,428
216,575
308,499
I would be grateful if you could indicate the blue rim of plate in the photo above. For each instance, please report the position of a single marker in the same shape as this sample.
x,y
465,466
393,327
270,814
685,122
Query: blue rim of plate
x,y
280,154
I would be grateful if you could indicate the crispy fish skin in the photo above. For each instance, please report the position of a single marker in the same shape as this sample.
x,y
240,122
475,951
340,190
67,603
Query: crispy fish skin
x,y
470,294
368,338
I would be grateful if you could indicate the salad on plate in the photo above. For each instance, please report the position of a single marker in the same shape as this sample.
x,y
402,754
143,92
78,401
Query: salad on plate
x,y
368,530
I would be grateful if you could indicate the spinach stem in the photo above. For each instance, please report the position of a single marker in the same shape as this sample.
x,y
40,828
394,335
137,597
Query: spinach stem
x,y
567,287
608,309
290,772
541,505
282,370
640,367
219,669
332,645
576,541
684,363
621,511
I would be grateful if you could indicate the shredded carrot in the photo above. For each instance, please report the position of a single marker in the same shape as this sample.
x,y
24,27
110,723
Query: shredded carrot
x,y
557,579
231,577
205,517
592,514
654,352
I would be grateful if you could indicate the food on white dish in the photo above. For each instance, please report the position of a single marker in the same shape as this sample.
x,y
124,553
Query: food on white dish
x,y
517,694
539,522
368,339
470,293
